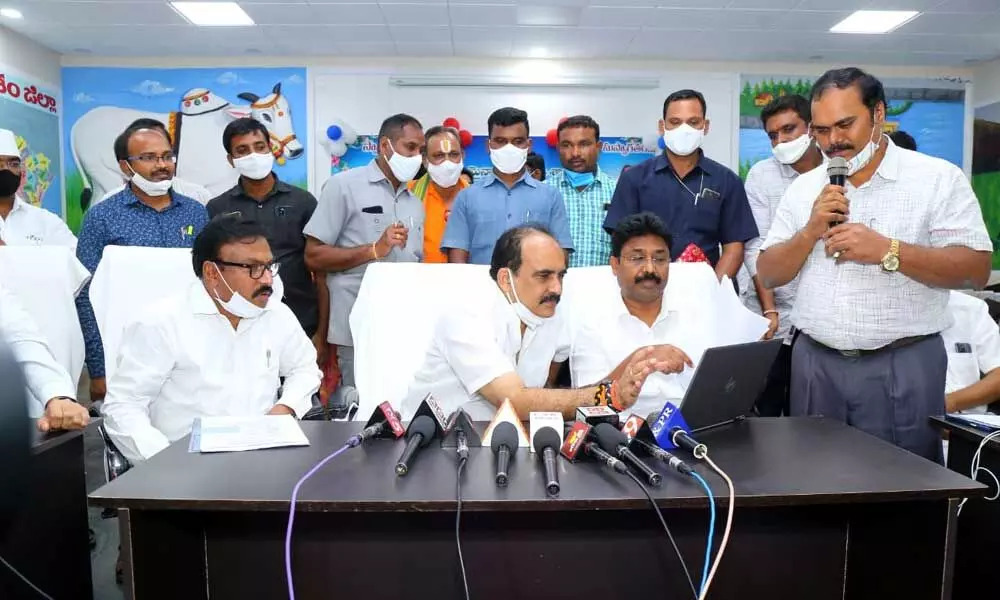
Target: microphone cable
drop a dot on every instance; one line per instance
(975, 468)
(291, 511)
(458, 522)
(663, 522)
(729, 523)
(24, 579)
(711, 528)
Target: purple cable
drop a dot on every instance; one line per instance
(291, 514)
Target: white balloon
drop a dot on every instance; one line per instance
(651, 142)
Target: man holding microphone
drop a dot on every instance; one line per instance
(874, 260)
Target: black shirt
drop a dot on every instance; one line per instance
(283, 214)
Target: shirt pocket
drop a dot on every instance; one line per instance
(375, 221)
(706, 216)
(963, 369)
(266, 376)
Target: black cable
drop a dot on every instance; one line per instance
(25, 579)
(670, 536)
(458, 523)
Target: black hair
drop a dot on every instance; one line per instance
(685, 95)
(506, 117)
(872, 92)
(438, 130)
(392, 127)
(535, 161)
(580, 121)
(147, 123)
(466, 171)
(121, 142)
(243, 126)
(638, 225)
(903, 140)
(793, 102)
(223, 229)
(507, 251)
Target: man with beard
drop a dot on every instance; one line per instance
(875, 259)
(509, 346)
(218, 348)
(650, 316)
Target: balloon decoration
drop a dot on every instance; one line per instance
(651, 142)
(464, 135)
(337, 137)
(552, 138)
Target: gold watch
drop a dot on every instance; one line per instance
(890, 262)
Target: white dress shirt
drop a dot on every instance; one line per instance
(473, 344)
(46, 379)
(182, 360)
(184, 188)
(28, 225)
(972, 343)
(766, 184)
(912, 197)
(602, 339)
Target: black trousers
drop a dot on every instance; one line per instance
(774, 400)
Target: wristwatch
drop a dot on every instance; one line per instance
(890, 262)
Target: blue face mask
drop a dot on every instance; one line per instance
(578, 179)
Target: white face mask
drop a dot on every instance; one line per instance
(237, 304)
(862, 158)
(523, 313)
(789, 153)
(151, 188)
(445, 174)
(683, 140)
(510, 159)
(255, 166)
(403, 167)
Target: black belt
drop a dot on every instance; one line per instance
(896, 345)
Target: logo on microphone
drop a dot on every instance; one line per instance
(574, 440)
(391, 419)
(632, 426)
(661, 421)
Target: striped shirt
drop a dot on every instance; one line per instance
(586, 211)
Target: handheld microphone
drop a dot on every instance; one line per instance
(837, 171)
(419, 435)
(545, 442)
(662, 455)
(592, 449)
(463, 445)
(671, 431)
(637, 431)
(614, 442)
(504, 438)
(384, 422)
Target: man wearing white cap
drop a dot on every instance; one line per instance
(21, 223)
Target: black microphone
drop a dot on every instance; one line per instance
(837, 169)
(504, 438)
(383, 423)
(613, 441)
(419, 434)
(660, 454)
(463, 445)
(592, 449)
(545, 442)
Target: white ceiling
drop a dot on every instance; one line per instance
(949, 32)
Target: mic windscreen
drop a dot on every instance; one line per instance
(423, 425)
(609, 438)
(505, 434)
(837, 167)
(546, 437)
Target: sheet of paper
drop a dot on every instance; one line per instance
(736, 323)
(236, 434)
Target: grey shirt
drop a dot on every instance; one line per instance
(354, 209)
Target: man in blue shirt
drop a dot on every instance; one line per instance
(701, 201)
(508, 197)
(146, 213)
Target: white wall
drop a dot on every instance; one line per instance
(986, 84)
(29, 58)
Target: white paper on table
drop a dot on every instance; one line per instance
(236, 434)
(736, 323)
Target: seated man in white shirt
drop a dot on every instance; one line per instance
(510, 345)
(45, 377)
(21, 223)
(649, 313)
(973, 346)
(218, 348)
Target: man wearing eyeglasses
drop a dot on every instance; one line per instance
(147, 212)
(650, 314)
(21, 223)
(218, 348)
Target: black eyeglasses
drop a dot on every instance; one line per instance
(256, 271)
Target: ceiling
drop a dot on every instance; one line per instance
(949, 32)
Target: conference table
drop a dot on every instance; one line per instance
(823, 511)
(48, 541)
(979, 525)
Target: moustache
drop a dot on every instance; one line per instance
(649, 277)
(553, 298)
(839, 148)
(165, 173)
(263, 290)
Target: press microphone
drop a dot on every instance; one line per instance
(592, 449)
(545, 442)
(384, 422)
(836, 169)
(503, 440)
(614, 442)
(463, 445)
(662, 455)
(637, 431)
(419, 435)
(671, 431)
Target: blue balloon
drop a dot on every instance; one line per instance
(660, 143)
(334, 132)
